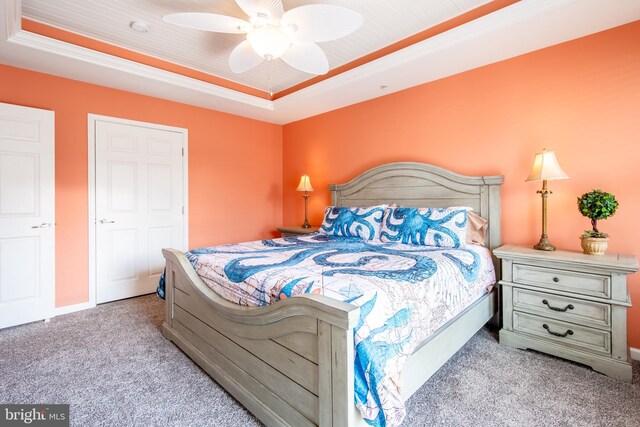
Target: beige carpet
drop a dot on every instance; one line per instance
(115, 369)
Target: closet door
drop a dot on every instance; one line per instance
(27, 215)
(139, 206)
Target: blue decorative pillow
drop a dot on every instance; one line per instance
(353, 222)
(446, 227)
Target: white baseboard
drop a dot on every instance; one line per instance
(73, 308)
(635, 353)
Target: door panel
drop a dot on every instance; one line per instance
(159, 192)
(16, 126)
(139, 203)
(123, 186)
(123, 250)
(18, 268)
(27, 235)
(19, 189)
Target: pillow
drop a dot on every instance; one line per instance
(353, 222)
(445, 227)
(476, 229)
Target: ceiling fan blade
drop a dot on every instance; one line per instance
(272, 8)
(307, 57)
(209, 22)
(243, 58)
(321, 22)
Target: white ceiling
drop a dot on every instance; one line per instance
(523, 27)
(385, 22)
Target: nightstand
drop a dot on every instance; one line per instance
(568, 304)
(296, 230)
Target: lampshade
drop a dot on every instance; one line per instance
(268, 41)
(546, 167)
(305, 184)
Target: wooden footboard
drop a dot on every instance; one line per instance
(290, 364)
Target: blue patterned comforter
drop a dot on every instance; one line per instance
(405, 293)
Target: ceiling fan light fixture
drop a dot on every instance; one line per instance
(268, 41)
(273, 33)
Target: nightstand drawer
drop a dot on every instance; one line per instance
(566, 334)
(588, 313)
(568, 281)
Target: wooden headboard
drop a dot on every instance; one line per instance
(411, 184)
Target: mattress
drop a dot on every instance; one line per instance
(405, 293)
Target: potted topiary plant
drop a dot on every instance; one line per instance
(596, 205)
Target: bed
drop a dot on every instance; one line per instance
(291, 363)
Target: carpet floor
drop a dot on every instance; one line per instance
(115, 369)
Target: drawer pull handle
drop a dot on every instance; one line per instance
(569, 331)
(569, 307)
(555, 279)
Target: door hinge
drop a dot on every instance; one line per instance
(183, 152)
(183, 210)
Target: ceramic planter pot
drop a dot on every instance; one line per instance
(594, 245)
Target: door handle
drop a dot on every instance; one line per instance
(43, 225)
(106, 221)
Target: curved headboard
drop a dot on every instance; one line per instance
(413, 184)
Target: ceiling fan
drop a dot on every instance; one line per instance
(273, 33)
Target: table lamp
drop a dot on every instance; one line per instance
(305, 185)
(545, 168)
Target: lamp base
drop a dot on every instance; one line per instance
(544, 244)
(306, 221)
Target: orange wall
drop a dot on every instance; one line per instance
(235, 167)
(580, 98)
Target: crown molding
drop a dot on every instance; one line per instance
(56, 47)
(20, 48)
(15, 34)
(12, 17)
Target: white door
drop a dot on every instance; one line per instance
(139, 206)
(27, 234)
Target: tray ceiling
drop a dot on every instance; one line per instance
(494, 31)
(385, 22)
